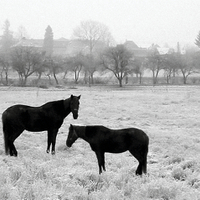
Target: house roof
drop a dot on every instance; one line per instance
(130, 45)
(29, 43)
(137, 51)
(163, 51)
(62, 42)
(70, 47)
(82, 46)
(77, 46)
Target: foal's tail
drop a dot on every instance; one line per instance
(144, 164)
(6, 146)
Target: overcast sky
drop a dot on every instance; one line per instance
(142, 21)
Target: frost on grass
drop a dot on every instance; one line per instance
(169, 117)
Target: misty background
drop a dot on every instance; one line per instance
(144, 22)
(92, 42)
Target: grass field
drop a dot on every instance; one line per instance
(169, 115)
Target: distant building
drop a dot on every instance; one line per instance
(160, 50)
(38, 43)
(62, 46)
(137, 51)
(77, 46)
(59, 47)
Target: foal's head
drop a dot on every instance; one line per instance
(74, 105)
(72, 136)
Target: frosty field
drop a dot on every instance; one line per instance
(169, 115)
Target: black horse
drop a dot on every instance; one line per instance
(102, 139)
(48, 117)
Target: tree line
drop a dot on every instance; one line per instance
(118, 59)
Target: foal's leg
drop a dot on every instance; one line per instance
(138, 154)
(11, 139)
(101, 161)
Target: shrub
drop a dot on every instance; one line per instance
(175, 159)
(192, 165)
(161, 189)
(179, 174)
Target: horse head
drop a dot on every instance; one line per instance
(74, 105)
(72, 136)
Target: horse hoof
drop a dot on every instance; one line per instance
(47, 151)
(53, 152)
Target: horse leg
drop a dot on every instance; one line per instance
(13, 151)
(141, 156)
(54, 134)
(51, 140)
(11, 139)
(11, 132)
(101, 161)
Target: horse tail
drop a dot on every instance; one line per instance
(5, 133)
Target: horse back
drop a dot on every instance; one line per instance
(115, 141)
(31, 118)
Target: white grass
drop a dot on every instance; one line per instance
(169, 115)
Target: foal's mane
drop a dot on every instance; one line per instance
(92, 131)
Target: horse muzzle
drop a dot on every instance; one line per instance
(75, 115)
(68, 144)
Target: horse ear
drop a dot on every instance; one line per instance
(71, 126)
(72, 96)
(79, 96)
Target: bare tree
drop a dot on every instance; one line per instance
(7, 41)
(98, 37)
(76, 64)
(4, 66)
(170, 66)
(26, 61)
(186, 64)
(93, 32)
(92, 64)
(154, 63)
(22, 33)
(137, 67)
(117, 59)
(53, 65)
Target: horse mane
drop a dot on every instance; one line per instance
(66, 103)
(92, 131)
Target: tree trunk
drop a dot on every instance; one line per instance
(92, 78)
(39, 77)
(184, 79)
(6, 73)
(174, 76)
(54, 75)
(154, 79)
(120, 82)
(140, 78)
(65, 75)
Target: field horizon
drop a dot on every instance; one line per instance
(168, 114)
